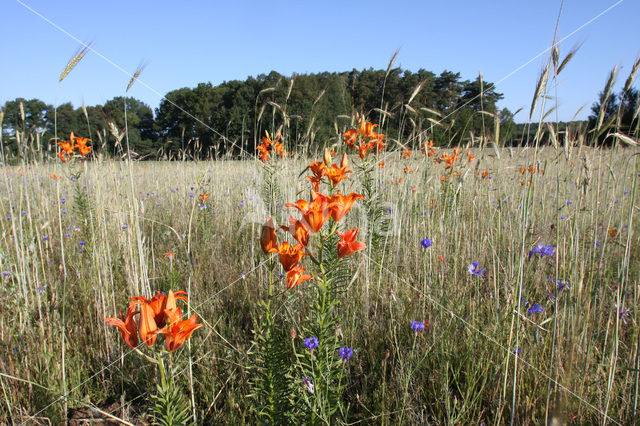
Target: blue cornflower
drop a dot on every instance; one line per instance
(6, 273)
(123, 227)
(345, 352)
(81, 243)
(475, 270)
(624, 314)
(46, 237)
(569, 203)
(417, 326)
(535, 309)
(311, 343)
(308, 384)
(543, 250)
(426, 242)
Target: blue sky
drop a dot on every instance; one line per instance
(185, 43)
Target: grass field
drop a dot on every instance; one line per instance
(545, 332)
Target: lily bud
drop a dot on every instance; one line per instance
(344, 163)
(268, 239)
(327, 156)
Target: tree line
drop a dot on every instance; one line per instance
(310, 111)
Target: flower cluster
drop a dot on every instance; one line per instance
(314, 215)
(160, 315)
(428, 149)
(334, 172)
(530, 169)
(75, 143)
(364, 138)
(268, 145)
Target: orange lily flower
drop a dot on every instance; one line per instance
(159, 303)
(381, 165)
(170, 254)
(366, 129)
(279, 149)
(81, 145)
(290, 255)
(362, 149)
(66, 147)
(178, 330)
(298, 230)
(340, 204)
(127, 326)
(147, 326)
(203, 197)
(268, 238)
(336, 174)
(348, 244)
(406, 153)
(471, 156)
(318, 168)
(350, 137)
(62, 157)
(295, 277)
(264, 153)
(315, 213)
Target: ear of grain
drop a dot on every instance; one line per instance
(542, 83)
(567, 58)
(626, 139)
(74, 61)
(291, 81)
(606, 95)
(135, 76)
(546, 114)
(431, 111)
(319, 96)
(391, 62)
(632, 75)
(555, 57)
(416, 91)
(21, 107)
(266, 90)
(578, 112)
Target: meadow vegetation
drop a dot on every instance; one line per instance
(489, 284)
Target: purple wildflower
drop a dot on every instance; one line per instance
(311, 343)
(426, 243)
(345, 352)
(417, 326)
(308, 384)
(475, 270)
(625, 315)
(543, 250)
(535, 309)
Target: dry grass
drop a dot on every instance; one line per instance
(578, 357)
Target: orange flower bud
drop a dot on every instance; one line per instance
(268, 239)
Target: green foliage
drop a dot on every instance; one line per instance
(169, 406)
(271, 383)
